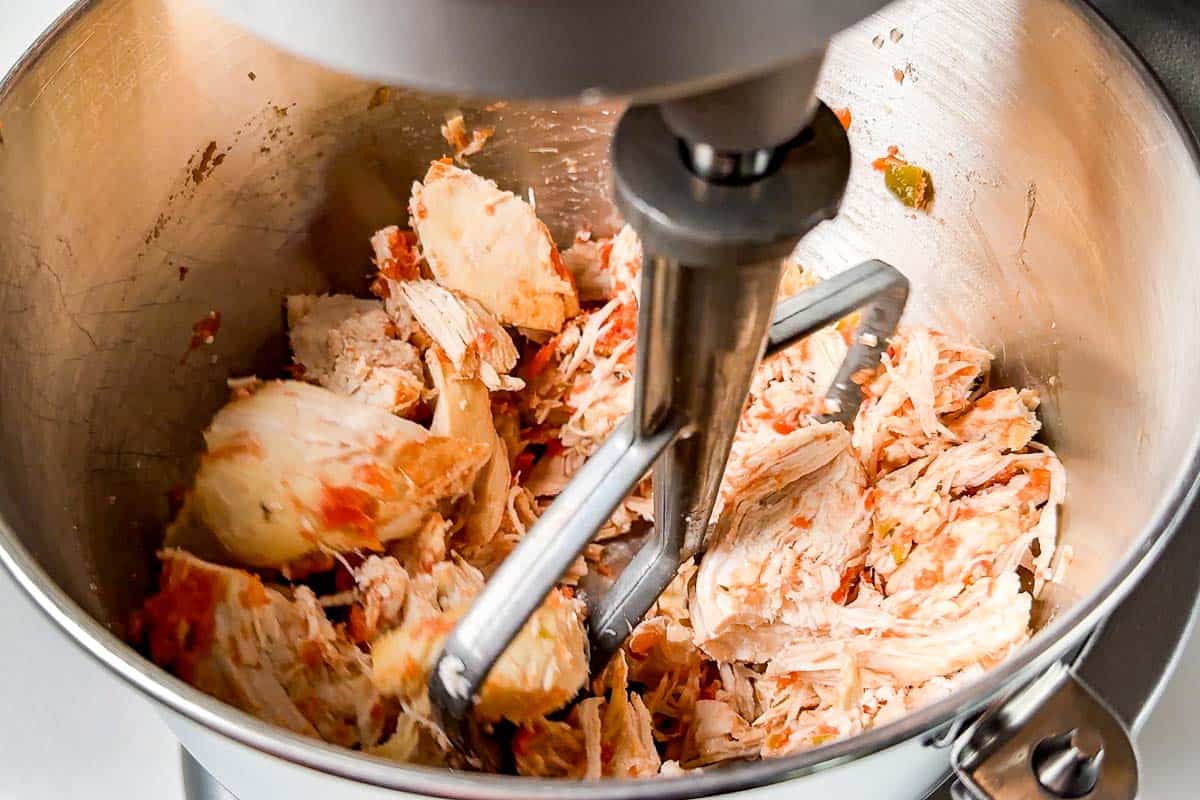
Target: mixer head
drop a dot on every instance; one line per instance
(725, 160)
(551, 49)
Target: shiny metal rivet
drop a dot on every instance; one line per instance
(1068, 764)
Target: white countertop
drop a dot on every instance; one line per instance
(72, 730)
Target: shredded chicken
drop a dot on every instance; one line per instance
(253, 646)
(851, 574)
(614, 734)
(418, 740)
(380, 591)
(398, 257)
(454, 131)
(586, 260)
(504, 259)
(701, 712)
(354, 348)
(783, 547)
(925, 377)
(468, 335)
(875, 577)
(539, 673)
(582, 382)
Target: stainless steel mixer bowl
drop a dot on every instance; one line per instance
(157, 164)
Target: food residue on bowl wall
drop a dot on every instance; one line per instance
(911, 184)
(379, 97)
(210, 159)
(454, 131)
(204, 330)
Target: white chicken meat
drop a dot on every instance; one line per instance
(469, 336)
(277, 657)
(354, 348)
(489, 244)
(293, 468)
(540, 672)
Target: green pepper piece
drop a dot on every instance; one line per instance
(910, 183)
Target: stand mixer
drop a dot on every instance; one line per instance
(724, 163)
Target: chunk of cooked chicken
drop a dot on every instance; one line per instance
(469, 336)
(541, 671)
(625, 262)
(795, 279)
(700, 711)
(1005, 418)
(604, 268)
(417, 740)
(397, 254)
(545, 748)
(354, 348)
(606, 736)
(815, 688)
(293, 468)
(270, 654)
(719, 733)
(583, 379)
(970, 511)
(619, 736)
(586, 260)
(925, 377)
(464, 410)
(792, 533)
(380, 591)
(454, 131)
(489, 245)
(427, 546)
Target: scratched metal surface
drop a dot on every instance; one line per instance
(147, 180)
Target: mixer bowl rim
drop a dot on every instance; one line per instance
(1050, 643)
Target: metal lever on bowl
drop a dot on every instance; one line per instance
(1054, 738)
